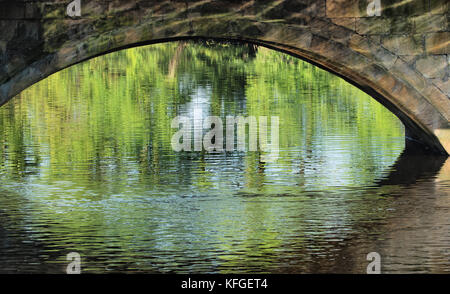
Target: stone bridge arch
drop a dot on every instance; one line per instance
(401, 58)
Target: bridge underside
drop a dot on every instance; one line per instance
(48, 41)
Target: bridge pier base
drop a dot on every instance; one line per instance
(444, 137)
(416, 145)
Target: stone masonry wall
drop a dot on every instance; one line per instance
(418, 31)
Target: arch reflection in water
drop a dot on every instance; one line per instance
(87, 166)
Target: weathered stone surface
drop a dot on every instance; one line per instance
(347, 22)
(407, 73)
(444, 137)
(8, 29)
(53, 10)
(32, 10)
(439, 6)
(410, 59)
(360, 44)
(404, 44)
(384, 56)
(397, 57)
(344, 8)
(401, 25)
(376, 39)
(438, 43)
(405, 8)
(433, 66)
(430, 23)
(372, 25)
(444, 85)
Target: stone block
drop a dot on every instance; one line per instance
(439, 6)
(53, 10)
(284, 9)
(373, 72)
(369, 48)
(408, 74)
(8, 29)
(432, 66)
(340, 34)
(383, 56)
(404, 8)
(360, 44)
(29, 30)
(430, 23)
(409, 59)
(32, 10)
(401, 25)
(444, 137)
(346, 22)
(320, 27)
(345, 8)
(376, 39)
(372, 25)
(404, 44)
(443, 85)
(438, 43)
(316, 8)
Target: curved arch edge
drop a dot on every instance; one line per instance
(417, 134)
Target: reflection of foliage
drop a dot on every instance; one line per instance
(118, 107)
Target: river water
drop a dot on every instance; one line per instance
(87, 166)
